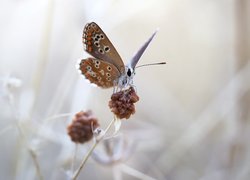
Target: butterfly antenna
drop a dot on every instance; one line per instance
(151, 64)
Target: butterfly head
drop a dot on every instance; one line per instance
(130, 72)
(126, 79)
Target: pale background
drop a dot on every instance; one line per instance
(192, 120)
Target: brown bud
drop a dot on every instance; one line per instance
(80, 129)
(122, 103)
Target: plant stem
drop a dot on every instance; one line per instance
(76, 174)
(84, 161)
(31, 151)
(74, 158)
(34, 157)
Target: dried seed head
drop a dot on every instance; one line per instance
(122, 103)
(80, 130)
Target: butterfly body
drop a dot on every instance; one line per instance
(106, 69)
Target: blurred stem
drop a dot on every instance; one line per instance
(23, 138)
(117, 174)
(76, 174)
(44, 52)
(34, 157)
(237, 149)
(135, 173)
(6, 129)
(56, 117)
(84, 160)
(74, 158)
(31, 151)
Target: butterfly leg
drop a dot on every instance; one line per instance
(134, 86)
(131, 84)
(114, 89)
(115, 86)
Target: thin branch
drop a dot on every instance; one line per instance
(56, 117)
(6, 129)
(135, 173)
(34, 157)
(74, 158)
(76, 174)
(32, 153)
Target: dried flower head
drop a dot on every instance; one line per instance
(82, 126)
(122, 103)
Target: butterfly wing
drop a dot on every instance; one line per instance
(139, 53)
(98, 45)
(99, 72)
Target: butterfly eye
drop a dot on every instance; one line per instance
(129, 73)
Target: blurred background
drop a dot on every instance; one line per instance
(192, 120)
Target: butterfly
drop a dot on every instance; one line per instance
(106, 68)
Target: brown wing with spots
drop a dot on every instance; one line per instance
(98, 45)
(99, 72)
